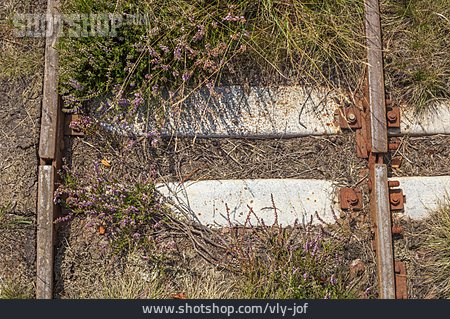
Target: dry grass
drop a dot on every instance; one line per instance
(15, 288)
(308, 157)
(436, 250)
(209, 283)
(417, 58)
(424, 247)
(135, 281)
(138, 282)
(86, 268)
(16, 255)
(424, 156)
(21, 57)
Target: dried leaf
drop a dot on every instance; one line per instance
(106, 163)
(180, 295)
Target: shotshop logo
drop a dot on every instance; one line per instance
(74, 25)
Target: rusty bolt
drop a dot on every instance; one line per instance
(395, 200)
(392, 117)
(397, 230)
(394, 145)
(394, 184)
(75, 128)
(352, 198)
(351, 118)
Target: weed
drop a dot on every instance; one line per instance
(437, 252)
(14, 289)
(21, 57)
(417, 44)
(191, 44)
(8, 219)
(288, 263)
(186, 45)
(122, 212)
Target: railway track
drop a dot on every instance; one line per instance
(375, 122)
(373, 143)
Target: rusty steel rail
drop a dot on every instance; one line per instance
(50, 151)
(375, 79)
(371, 118)
(381, 217)
(376, 146)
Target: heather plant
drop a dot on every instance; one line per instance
(281, 268)
(186, 45)
(288, 262)
(153, 67)
(126, 213)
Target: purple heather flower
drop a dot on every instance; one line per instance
(138, 100)
(306, 246)
(164, 48)
(123, 102)
(186, 76)
(177, 53)
(333, 280)
(152, 52)
(155, 61)
(76, 85)
(200, 33)
(316, 246)
(233, 18)
(91, 223)
(136, 236)
(86, 204)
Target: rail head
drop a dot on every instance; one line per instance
(375, 76)
(380, 206)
